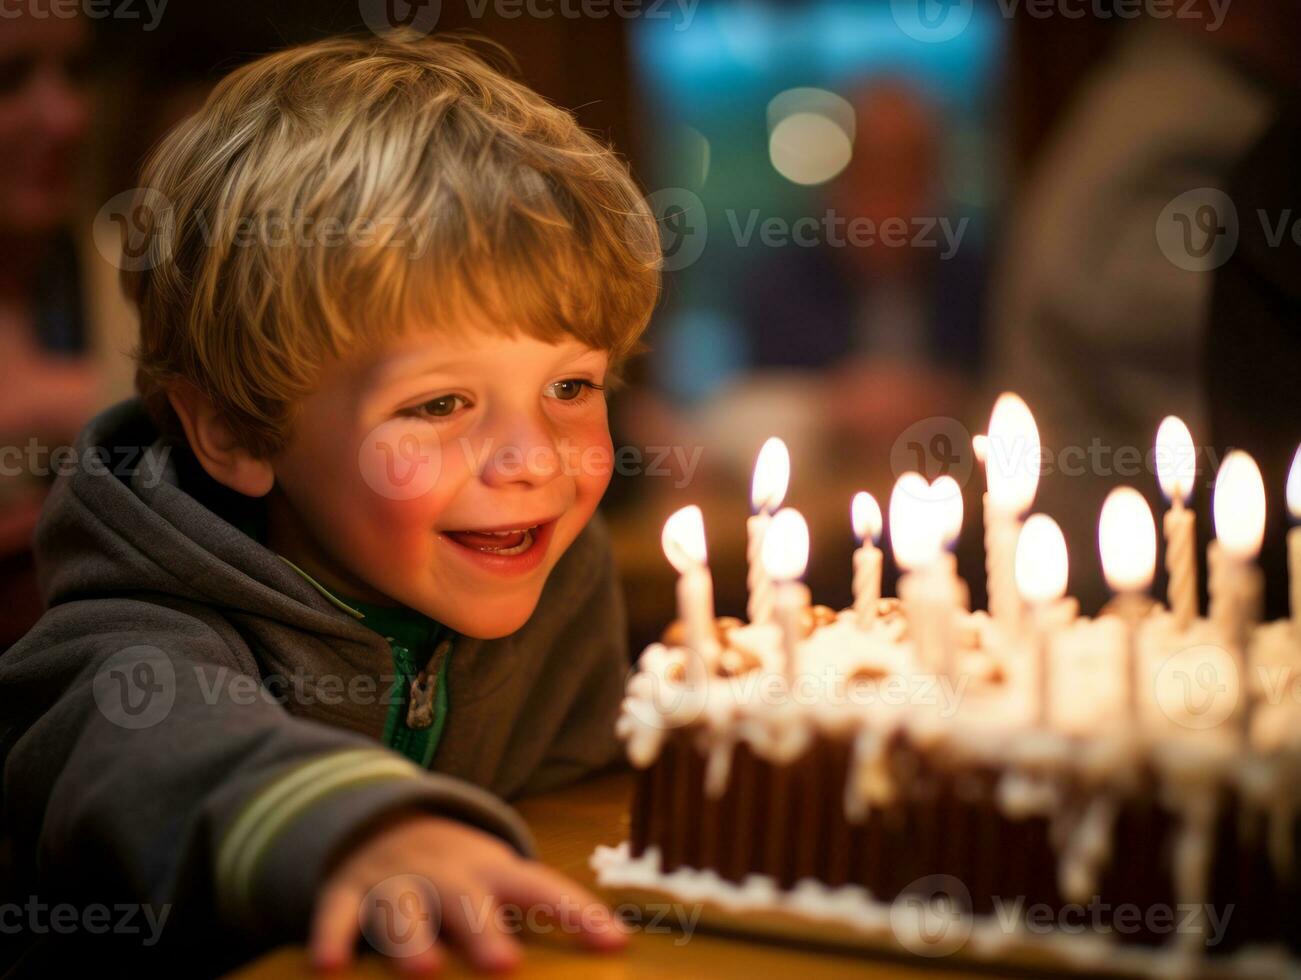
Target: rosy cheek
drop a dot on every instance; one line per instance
(408, 479)
(594, 463)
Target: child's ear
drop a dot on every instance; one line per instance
(215, 445)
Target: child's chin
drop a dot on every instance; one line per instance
(491, 623)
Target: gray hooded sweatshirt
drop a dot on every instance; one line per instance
(194, 726)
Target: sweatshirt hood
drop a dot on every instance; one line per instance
(136, 514)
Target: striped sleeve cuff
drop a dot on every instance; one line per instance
(266, 877)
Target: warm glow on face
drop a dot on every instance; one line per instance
(1176, 459)
(786, 546)
(947, 496)
(1041, 564)
(772, 474)
(915, 532)
(1239, 505)
(1127, 540)
(683, 539)
(1012, 455)
(1294, 487)
(866, 515)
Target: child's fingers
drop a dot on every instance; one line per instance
(400, 920)
(470, 917)
(334, 927)
(535, 885)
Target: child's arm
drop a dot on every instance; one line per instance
(141, 765)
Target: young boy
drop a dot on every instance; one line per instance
(332, 587)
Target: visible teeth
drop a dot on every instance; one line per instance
(519, 549)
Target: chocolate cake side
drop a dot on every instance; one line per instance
(787, 822)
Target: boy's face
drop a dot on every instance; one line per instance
(446, 474)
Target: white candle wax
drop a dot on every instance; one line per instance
(867, 581)
(791, 599)
(760, 605)
(696, 609)
(1181, 563)
(1042, 618)
(929, 601)
(1129, 606)
(1294, 574)
(1002, 529)
(1236, 590)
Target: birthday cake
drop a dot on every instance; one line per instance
(1115, 794)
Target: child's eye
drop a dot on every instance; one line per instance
(572, 389)
(442, 406)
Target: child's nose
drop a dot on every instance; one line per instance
(524, 453)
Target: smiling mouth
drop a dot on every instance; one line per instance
(505, 543)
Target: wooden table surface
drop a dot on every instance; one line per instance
(568, 825)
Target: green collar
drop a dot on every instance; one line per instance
(400, 625)
(397, 624)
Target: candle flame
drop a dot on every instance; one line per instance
(772, 475)
(1239, 505)
(1294, 487)
(1041, 562)
(1127, 540)
(683, 539)
(1176, 459)
(865, 514)
(916, 531)
(1012, 454)
(786, 546)
(948, 496)
(980, 447)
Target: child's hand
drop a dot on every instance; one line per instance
(420, 877)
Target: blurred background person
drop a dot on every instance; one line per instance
(1094, 322)
(62, 355)
(890, 317)
(1253, 347)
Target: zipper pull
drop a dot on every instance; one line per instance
(420, 707)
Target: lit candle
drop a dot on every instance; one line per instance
(926, 588)
(785, 557)
(947, 495)
(1294, 538)
(1235, 582)
(1127, 540)
(1041, 571)
(684, 545)
(1011, 451)
(866, 516)
(772, 473)
(1176, 469)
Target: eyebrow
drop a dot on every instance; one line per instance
(411, 366)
